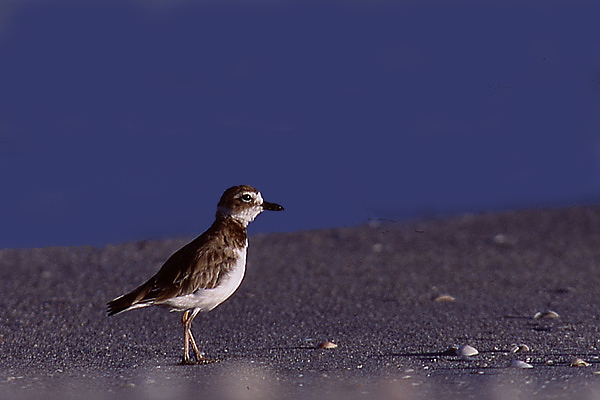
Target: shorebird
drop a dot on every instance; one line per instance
(205, 272)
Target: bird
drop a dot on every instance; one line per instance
(206, 271)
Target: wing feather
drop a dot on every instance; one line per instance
(198, 265)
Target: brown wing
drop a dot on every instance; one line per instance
(198, 265)
(189, 270)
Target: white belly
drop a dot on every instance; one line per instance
(207, 299)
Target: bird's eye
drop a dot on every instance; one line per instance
(247, 198)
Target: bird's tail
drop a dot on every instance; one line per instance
(128, 301)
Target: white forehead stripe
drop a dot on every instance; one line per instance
(246, 211)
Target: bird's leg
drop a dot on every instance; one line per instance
(200, 359)
(186, 338)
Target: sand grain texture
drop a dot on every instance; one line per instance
(370, 289)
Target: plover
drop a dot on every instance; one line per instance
(205, 272)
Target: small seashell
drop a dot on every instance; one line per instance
(444, 298)
(578, 362)
(503, 240)
(466, 351)
(519, 348)
(327, 345)
(377, 247)
(520, 364)
(546, 314)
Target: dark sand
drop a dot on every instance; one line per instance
(370, 289)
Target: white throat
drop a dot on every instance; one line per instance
(245, 215)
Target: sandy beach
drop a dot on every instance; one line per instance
(521, 287)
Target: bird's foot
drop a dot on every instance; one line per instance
(203, 360)
(187, 361)
(198, 361)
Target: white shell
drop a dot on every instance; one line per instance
(519, 348)
(444, 298)
(466, 351)
(328, 345)
(578, 362)
(520, 364)
(546, 314)
(503, 240)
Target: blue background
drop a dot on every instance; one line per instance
(127, 120)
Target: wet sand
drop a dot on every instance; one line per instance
(394, 297)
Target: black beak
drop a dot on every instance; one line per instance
(271, 206)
